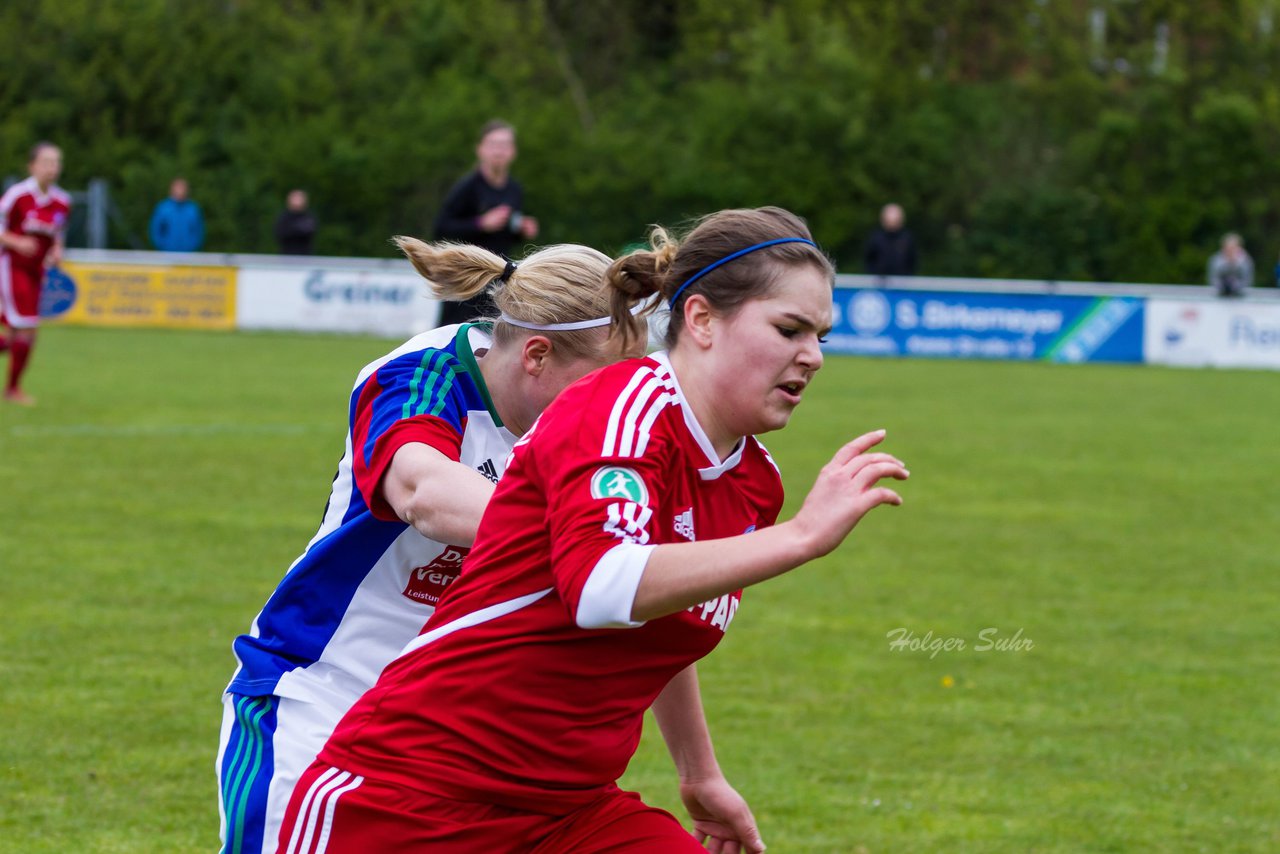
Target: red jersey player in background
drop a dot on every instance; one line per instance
(33, 220)
(610, 559)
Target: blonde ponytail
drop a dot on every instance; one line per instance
(558, 284)
(455, 271)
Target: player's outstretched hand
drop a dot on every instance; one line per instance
(845, 491)
(722, 821)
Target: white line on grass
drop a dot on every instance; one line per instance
(110, 431)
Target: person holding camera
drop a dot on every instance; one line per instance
(485, 207)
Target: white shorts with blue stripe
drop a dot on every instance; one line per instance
(265, 746)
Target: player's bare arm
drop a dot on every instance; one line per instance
(21, 243)
(719, 813)
(441, 498)
(680, 575)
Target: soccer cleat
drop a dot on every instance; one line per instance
(20, 397)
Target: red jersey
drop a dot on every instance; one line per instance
(24, 209)
(529, 684)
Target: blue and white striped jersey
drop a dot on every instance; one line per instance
(367, 581)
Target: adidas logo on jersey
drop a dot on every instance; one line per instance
(488, 469)
(684, 524)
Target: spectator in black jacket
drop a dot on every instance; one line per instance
(486, 207)
(296, 225)
(891, 250)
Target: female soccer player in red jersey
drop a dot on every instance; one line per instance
(610, 559)
(431, 425)
(33, 224)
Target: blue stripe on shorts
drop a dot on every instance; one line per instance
(247, 766)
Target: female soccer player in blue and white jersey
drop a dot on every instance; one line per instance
(430, 427)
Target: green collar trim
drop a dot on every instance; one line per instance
(462, 342)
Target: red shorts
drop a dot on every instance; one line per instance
(19, 294)
(336, 812)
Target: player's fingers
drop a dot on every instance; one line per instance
(862, 460)
(882, 495)
(868, 475)
(746, 833)
(859, 445)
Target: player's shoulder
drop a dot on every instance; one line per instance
(430, 353)
(629, 384)
(17, 191)
(60, 195)
(617, 408)
(443, 339)
(758, 476)
(757, 456)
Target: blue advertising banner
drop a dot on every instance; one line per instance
(873, 322)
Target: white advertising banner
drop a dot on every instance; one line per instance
(380, 302)
(1219, 333)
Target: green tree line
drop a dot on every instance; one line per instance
(1071, 139)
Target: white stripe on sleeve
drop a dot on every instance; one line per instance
(646, 426)
(615, 417)
(633, 416)
(610, 591)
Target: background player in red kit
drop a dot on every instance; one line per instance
(610, 559)
(33, 219)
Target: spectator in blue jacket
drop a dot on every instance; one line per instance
(177, 224)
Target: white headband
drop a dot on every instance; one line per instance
(569, 326)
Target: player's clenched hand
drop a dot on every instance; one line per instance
(722, 821)
(845, 491)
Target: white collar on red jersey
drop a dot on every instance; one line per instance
(32, 186)
(718, 466)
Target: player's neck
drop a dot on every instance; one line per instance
(698, 398)
(501, 381)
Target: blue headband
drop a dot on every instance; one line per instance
(728, 258)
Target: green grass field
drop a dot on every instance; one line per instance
(1124, 520)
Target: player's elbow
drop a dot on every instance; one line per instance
(609, 594)
(426, 511)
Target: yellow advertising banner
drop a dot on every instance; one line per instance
(145, 295)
